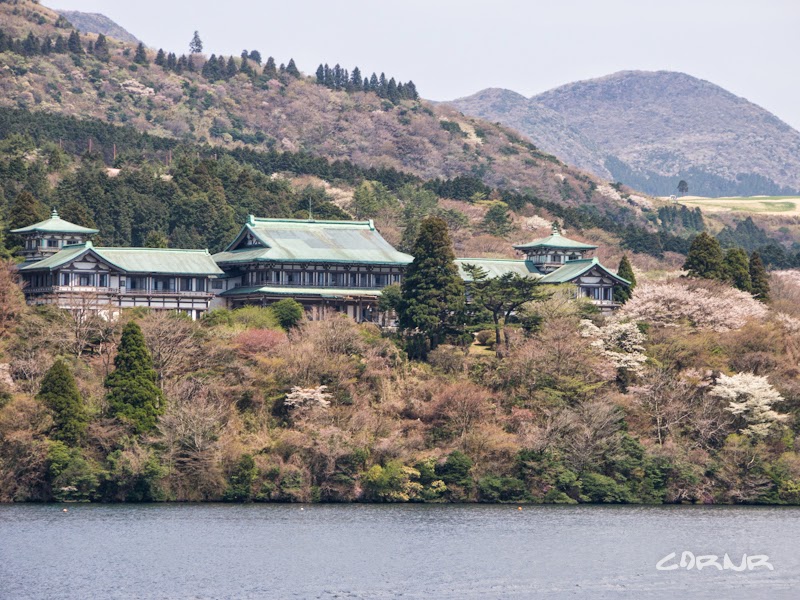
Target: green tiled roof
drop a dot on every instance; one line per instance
(576, 268)
(292, 240)
(555, 240)
(165, 261)
(55, 224)
(301, 292)
(496, 267)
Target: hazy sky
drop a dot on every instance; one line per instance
(453, 48)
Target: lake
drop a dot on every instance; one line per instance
(392, 551)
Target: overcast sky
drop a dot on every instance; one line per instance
(453, 48)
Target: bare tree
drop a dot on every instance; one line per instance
(12, 300)
(171, 341)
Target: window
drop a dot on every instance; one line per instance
(186, 284)
(217, 284)
(52, 243)
(65, 279)
(103, 280)
(164, 284)
(85, 280)
(381, 280)
(201, 285)
(137, 283)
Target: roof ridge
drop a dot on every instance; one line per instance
(197, 250)
(256, 220)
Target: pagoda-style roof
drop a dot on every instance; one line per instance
(166, 261)
(569, 271)
(55, 224)
(497, 267)
(308, 241)
(555, 240)
(575, 268)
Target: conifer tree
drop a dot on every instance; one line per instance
(140, 58)
(101, 51)
(25, 210)
(270, 71)
(433, 292)
(496, 221)
(355, 78)
(391, 91)
(705, 258)
(60, 394)
(60, 46)
(133, 395)
(759, 279)
(737, 269)
(196, 45)
(172, 61)
(161, 58)
(255, 56)
(31, 46)
(74, 43)
(623, 293)
(320, 74)
(230, 68)
(292, 69)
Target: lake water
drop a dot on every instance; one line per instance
(391, 551)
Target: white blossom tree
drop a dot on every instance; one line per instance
(750, 397)
(620, 342)
(704, 304)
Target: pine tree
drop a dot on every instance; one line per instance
(60, 47)
(133, 395)
(737, 269)
(31, 46)
(320, 74)
(255, 56)
(60, 394)
(433, 292)
(391, 91)
(623, 293)
(355, 78)
(270, 71)
(101, 51)
(161, 58)
(705, 258)
(496, 221)
(74, 43)
(759, 278)
(196, 45)
(25, 210)
(230, 68)
(140, 58)
(292, 69)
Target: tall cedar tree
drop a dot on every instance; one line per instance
(292, 69)
(101, 51)
(161, 58)
(433, 292)
(737, 269)
(60, 394)
(25, 210)
(705, 258)
(623, 293)
(133, 395)
(140, 58)
(196, 45)
(74, 43)
(759, 279)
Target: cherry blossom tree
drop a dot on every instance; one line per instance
(751, 397)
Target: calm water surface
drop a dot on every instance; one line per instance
(400, 551)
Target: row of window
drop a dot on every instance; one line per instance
(48, 243)
(554, 258)
(145, 284)
(321, 279)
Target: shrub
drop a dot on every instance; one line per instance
(447, 359)
(259, 341)
(288, 312)
(599, 488)
(240, 482)
(502, 489)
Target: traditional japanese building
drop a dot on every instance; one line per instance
(80, 276)
(47, 237)
(327, 266)
(556, 259)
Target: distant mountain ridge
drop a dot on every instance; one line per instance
(652, 129)
(97, 23)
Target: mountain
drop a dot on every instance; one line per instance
(248, 106)
(652, 129)
(97, 23)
